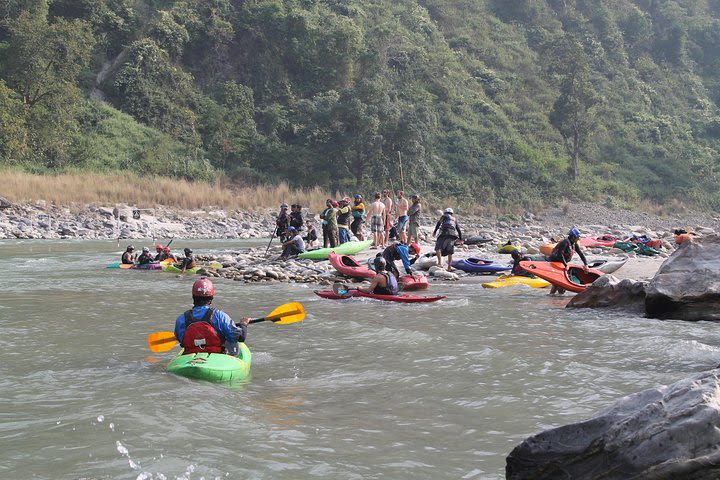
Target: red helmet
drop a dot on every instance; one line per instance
(203, 288)
(416, 248)
(159, 247)
(166, 249)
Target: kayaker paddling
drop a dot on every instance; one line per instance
(207, 329)
(564, 251)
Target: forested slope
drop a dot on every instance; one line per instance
(499, 102)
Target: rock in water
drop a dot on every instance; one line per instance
(687, 285)
(670, 432)
(608, 291)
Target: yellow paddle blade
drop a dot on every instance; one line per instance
(126, 265)
(161, 341)
(287, 313)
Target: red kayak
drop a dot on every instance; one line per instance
(413, 282)
(404, 298)
(347, 265)
(572, 278)
(606, 241)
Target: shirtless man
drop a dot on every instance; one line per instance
(376, 212)
(387, 201)
(402, 206)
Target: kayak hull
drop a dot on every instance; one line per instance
(347, 265)
(347, 248)
(404, 298)
(477, 265)
(557, 274)
(514, 280)
(411, 283)
(508, 248)
(174, 269)
(213, 367)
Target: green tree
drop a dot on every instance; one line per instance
(13, 131)
(572, 113)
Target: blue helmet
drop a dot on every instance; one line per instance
(291, 229)
(574, 232)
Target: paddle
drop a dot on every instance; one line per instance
(284, 314)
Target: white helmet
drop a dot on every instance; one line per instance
(449, 210)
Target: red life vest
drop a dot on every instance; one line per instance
(200, 336)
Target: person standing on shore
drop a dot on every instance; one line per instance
(414, 219)
(387, 201)
(329, 224)
(343, 220)
(282, 222)
(449, 234)
(128, 257)
(401, 207)
(358, 213)
(377, 222)
(296, 218)
(564, 251)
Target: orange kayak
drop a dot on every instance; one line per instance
(572, 278)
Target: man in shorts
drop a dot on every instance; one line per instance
(401, 207)
(377, 221)
(414, 219)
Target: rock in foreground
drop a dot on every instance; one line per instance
(670, 432)
(687, 285)
(608, 291)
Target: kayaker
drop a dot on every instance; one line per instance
(564, 251)
(387, 201)
(145, 257)
(376, 211)
(384, 282)
(282, 222)
(168, 255)
(329, 224)
(401, 207)
(294, 245)
(158, 252)
(400, 251)
(414, 219)
(358, 213)
(312, 236)
(188, 261)
(343, 220)
(128, 257)
(296, 218)
(206, 329)
(449, 234)
(517, 269)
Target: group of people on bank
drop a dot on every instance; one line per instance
(162, 254)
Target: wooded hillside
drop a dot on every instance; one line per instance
(501, 102)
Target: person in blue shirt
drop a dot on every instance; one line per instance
(206, 329)
(400, 251)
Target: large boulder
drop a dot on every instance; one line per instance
(687, 285)
(5, 203)
(608, 291)
(670, 432)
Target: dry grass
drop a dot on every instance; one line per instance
(148, 192)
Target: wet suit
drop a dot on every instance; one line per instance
(564, 250)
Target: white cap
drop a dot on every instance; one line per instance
(449, 210)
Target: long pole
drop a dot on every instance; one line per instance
(402, 180)
(272, 236)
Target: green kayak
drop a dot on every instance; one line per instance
(347, 248)
(214, 367)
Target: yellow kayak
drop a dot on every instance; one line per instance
(510, 280)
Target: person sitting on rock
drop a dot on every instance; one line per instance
(188, 262)
(145, 257)
(384, 282)
(128, 257)
(294, 245)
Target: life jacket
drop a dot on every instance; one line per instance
(391, 288)
(448, 227)
(200, 335)
(561, 251)
(344, 217)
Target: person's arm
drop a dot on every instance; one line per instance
(437, 226)
(228, 329)
(180, 328)
(372, 286)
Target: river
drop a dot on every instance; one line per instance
(359, 390)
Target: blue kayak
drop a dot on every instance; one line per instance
(478, 265)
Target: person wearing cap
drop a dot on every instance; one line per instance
(145, 257)
(564, 251)
(343, 220)
(402, 252)
(128, 257)
(207, 329)
(449, 234)
(414, 219)
(282, 222)
(384, 282)
(187, 262)
(329, 224)
(401, 212)
(358, 213)
(377, 221)
(296, 218)
(294, 245)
